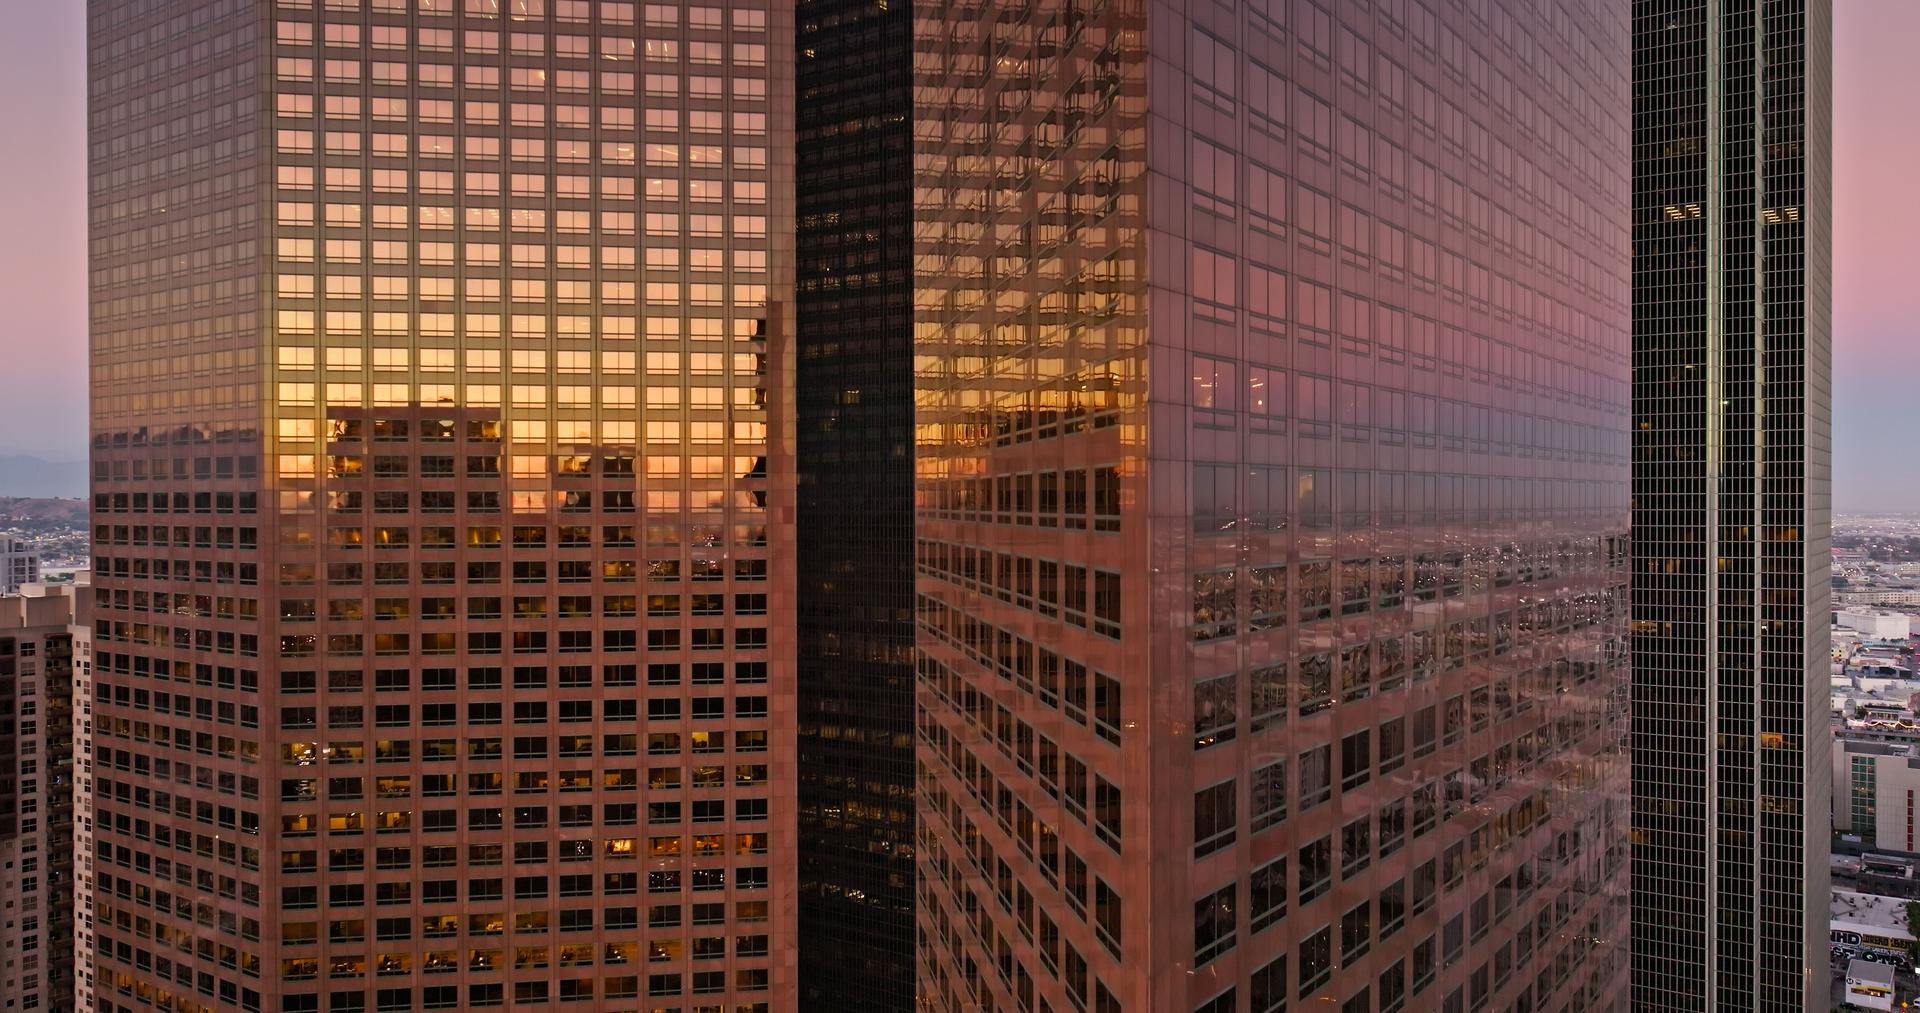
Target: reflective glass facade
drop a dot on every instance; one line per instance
(854, 526)
(1731, 467)
(1272, 384)
(443, 504)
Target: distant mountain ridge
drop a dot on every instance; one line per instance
(25, 475)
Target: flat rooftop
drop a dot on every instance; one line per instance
(1870, 972)
(1874, 747)
(1870, 912)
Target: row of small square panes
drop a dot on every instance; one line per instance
(661, 365)
(664, 331)
(530, 224)
(536, 78)
(615, 113)
(481, 247)
(484, 431)
(526, 12)
(538, 237)
(523, 38)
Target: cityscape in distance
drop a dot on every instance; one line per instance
(737, 506)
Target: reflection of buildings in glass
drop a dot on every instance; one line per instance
(1270, 519)
(853, 441)
(1731, 464)
(443, 490)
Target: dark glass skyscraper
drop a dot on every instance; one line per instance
(1732, 193)
(855, 531)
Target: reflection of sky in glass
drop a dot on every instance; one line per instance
(1238, 452)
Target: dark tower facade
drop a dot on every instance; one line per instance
(855, 612)
(1731, 448)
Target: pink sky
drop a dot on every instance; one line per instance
(1876, 299)
(1876, 311)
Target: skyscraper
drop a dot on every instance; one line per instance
(1732, 191)
(37, 798)
(443, 492)
(854, 525)
(1271, 504)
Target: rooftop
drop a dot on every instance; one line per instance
(1876, 748)
(1870, 912)
(1870, 972)
(38, 605)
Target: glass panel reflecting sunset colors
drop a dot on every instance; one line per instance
(443, 503)
(1272, 500)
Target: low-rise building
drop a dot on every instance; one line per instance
(1881, 596)
(1870, 925)
(1875, 623)
(1876, 789)
(1869, 984)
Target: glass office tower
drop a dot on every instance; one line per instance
(853, 437)
(443, 503)
(1272, 489)
(1732, 194)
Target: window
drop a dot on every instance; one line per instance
(1106, 812)
(1215, 389)
(1268, 991)
(1214, 284)
(1213, 711)
(1356, 759)
(1393, 987)
(1267, 894)
(1268, 788)
(1214, 173)
(1316, 777)
(1393, 826)
(1425, 882)
(1215, 818)
(1107, 916)
(1267, 686)
(1316, 961)
(1214, 63)
(1423, 965)
(1313, 124)
(1214, 924)
(1316, 869)
(1393, 908)
(1222, 1003)
(1106, 603)
(1267, 199)
(1393, 744)
(1356, 932)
